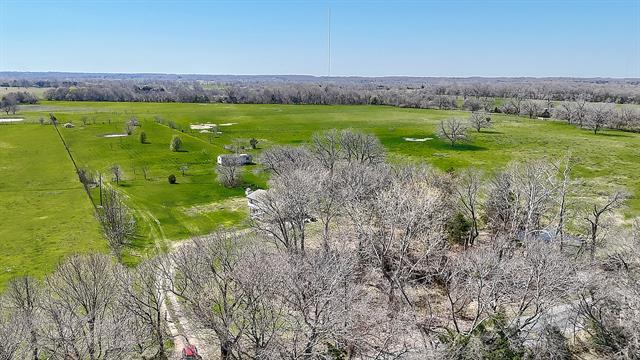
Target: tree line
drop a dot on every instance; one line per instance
(351, 257)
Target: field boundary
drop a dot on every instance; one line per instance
(75, 166)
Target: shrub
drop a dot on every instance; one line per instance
(143, 137)
(458, 229)
(172, 179)
(176, 143)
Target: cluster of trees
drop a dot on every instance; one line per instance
(408, 91)
(9, 102)
(598, 116)
(351, 257)
(377, 91)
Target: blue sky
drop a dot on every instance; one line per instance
(369, 38)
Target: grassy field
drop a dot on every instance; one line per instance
(44, 211)
(198, 204)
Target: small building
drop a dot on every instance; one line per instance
(67, 125)
(234, 159)
(254, 201)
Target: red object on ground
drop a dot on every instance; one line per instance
(190, 352)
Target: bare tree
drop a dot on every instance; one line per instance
(143, 295)
(320, 290)
(118, 223)
(326, 147)
(453, 130)
(519, 197)
(360, 147)
(116, 171)
(595, 220)
(84, 318)
(598, 116)
(204, 279)
(480, 120)
(285, 209)
(229, 174)
(9, 103)
(531, 108)
(400, 229)
(11, 333)
(282, 159)
(468, 190)
(24, 296)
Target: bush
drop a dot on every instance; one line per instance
(143, 137)
(172, 179)
(458, 229)
(176, 143)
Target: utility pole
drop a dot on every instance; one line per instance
(100, 186)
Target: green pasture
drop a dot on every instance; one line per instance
(45, 213)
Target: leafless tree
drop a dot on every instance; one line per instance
(229, 174)
(564, 168)
(117, 221)
(595, 220)
(480, 120)
(143, 294)
(205, 280)
(522, 284)
(598, 116)
(326, 147)
(513, 106)
(531, 108)
(467, 188)
(286, 209)
(400, 229)
(453, 130)
(315, 286)
(9, 103)
(116, 171)
(519, 197)
(360, 147)
(282, 159)
(11, 333)
(24, 296)
(84, 318)
(184, 168)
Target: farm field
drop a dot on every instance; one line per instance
(45, 213)
(198, 204)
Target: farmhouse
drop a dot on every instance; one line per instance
(254, 201)
(234, 159)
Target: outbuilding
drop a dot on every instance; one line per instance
(234, 159)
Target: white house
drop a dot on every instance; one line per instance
(234, 159)
(254, 201)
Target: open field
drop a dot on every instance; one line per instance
(45, 213)
(198, 204)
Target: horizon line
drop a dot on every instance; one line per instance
(324, 76)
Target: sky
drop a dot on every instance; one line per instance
(368, 38)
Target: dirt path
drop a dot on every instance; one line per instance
(182, 330)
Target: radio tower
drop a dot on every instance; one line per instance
(328, 41)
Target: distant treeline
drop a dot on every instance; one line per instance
(294, 89)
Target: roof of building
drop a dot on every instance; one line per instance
(255, 195)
